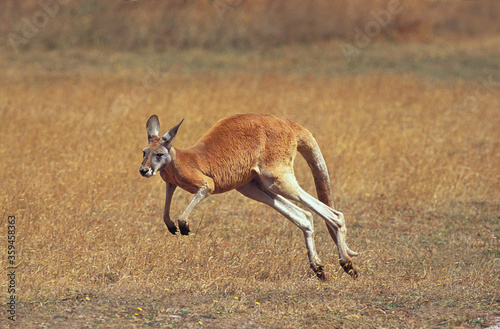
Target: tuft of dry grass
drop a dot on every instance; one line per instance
(414, 170)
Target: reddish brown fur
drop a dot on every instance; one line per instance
(222, 165)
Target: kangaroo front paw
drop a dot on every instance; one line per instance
(173, 230)
(184, 229)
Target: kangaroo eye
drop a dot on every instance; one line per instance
(159, 155)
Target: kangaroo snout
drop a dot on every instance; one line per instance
(146, 172)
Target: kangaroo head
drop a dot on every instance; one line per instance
(157, 154)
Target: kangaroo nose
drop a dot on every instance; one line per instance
(143, 171)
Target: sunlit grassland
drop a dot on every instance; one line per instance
(414, 168)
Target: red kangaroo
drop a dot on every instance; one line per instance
(253, 154)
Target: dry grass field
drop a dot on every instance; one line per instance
(413, 153)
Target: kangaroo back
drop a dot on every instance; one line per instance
(309, 149)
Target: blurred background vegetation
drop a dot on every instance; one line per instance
(152, 25)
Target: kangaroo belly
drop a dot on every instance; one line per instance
(227, 181)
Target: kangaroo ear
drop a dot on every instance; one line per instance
(153, 127)
(170, 135)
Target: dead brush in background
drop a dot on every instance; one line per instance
(216, 24)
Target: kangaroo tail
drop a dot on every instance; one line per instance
(309, 149)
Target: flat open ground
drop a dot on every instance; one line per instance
(410, 135)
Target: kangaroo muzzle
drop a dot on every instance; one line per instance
(146, 172)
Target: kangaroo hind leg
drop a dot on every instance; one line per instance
(296, 215)
(286, 185)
